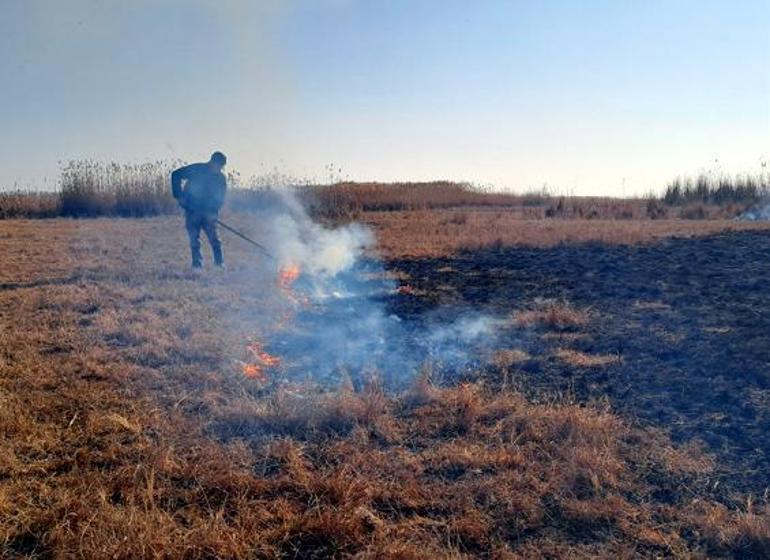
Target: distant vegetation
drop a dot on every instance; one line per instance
(706, 189)
(29, 204)
(349, 200)
(89, 188)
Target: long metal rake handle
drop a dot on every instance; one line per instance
(248, 239)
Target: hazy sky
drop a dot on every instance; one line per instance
(584, 96)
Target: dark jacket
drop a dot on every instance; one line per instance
(203, 190)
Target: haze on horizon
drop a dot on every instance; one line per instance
(597, 97)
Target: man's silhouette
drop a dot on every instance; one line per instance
(200, 189)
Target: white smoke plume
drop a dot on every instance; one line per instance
(339, 324)
(761, 212)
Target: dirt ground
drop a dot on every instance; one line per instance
(128, 428)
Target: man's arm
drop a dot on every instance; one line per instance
(176, 180)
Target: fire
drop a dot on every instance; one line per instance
(255, 348)
(286, 278)
(253, 371)
(263, 360)
(288, 275)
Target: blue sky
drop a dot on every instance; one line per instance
(594, 97)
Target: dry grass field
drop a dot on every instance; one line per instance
(627, 416)
(440, 232)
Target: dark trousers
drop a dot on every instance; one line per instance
(195, 222)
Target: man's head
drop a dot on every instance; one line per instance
(217, 161)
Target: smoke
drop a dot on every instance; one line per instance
(761, 212)
(322, 253)
(335, 321)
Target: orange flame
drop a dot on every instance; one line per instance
(257, 370)
(267, 359)
(262, 360)
(288, 275)
(253, 371)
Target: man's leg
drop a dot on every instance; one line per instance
(193, 225)
(210, 227)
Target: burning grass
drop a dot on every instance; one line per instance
(128, 430)
(261, 362)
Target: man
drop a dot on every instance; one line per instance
(201, 195)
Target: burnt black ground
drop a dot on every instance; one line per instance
(690, 318)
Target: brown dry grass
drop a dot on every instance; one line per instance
(441, 232)
(581, 359)
(556, 316)
(128, 431)
(745, 530)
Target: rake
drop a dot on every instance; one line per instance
(247, 239)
